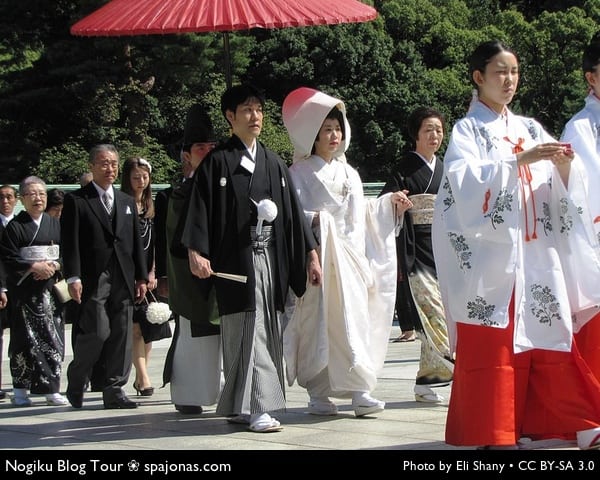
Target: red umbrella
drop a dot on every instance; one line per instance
(148, 17)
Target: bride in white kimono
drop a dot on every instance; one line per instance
(336, 340)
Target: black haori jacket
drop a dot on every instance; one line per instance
(221, 213)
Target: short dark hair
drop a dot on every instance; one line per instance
(416, 118)
(12, 187)
(239, 94)
(591, 54)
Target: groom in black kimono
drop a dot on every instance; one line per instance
(222, 235)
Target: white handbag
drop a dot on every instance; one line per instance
(157, 312)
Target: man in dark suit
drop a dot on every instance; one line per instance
(105, 267)
(3, 303)
(8, 202)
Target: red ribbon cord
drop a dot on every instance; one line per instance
(525, 176)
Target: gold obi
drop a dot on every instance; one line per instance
(422, 210)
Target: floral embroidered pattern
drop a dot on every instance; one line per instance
(480, 310)
(346, 188)
(21, 370)
(545, 219)
(532, 130)
(428, 300)
(449, 199)
(565, 218)
(485, 136)
(502, 203)
(462, 250)
(544, 305)
(40, 364)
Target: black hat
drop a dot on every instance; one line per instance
(198, 127)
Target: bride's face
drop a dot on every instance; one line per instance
(328, 139)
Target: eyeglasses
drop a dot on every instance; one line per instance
(35, 194)
(107, 165)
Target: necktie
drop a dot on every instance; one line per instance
(106, 201)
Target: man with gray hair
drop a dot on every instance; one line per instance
(106, 271)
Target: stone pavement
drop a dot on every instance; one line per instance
(156, 425)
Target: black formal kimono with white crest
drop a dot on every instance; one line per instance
(37, 334)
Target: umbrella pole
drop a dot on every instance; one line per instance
(227, 59)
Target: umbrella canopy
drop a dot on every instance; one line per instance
(151, 17)
(147, 17)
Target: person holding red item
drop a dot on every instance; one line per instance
(519, 264)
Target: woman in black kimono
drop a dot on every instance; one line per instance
(418, 299)
(31, 253)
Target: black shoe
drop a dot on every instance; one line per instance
(75, 399)
(189, 409)
(143, 392)
(2, 394)
(120, 401)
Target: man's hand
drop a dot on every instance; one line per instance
(140, 290)
(75, 290)
(199, 266)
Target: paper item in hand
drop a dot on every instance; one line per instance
(231, 276)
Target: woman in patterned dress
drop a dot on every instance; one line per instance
(31, 254)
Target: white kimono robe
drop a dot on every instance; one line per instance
(495, 233)
(345, 323)
(582, 131)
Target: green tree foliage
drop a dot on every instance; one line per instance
(552, 85)
(62, 164)
(60, 94)
(71, 91)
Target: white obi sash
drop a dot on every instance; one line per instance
(40, 253)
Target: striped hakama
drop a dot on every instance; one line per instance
(252, 344)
